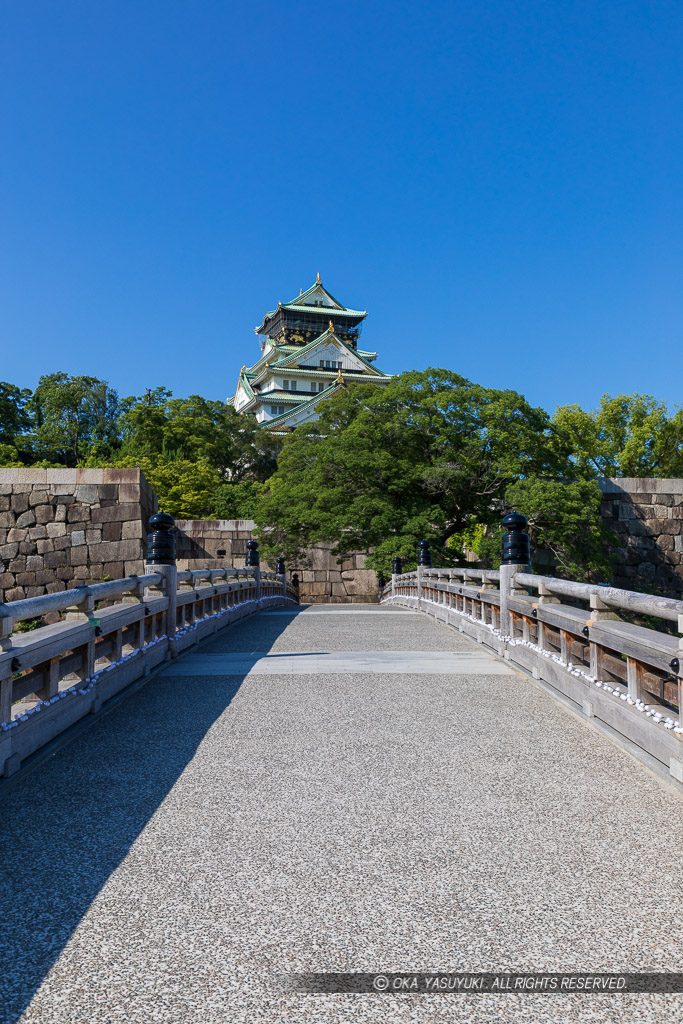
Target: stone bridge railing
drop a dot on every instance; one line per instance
(108, 635)
(576, 637)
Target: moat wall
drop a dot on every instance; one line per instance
(210, 543)
(63, 527)
(646, 517)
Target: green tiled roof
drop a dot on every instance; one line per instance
(309, 291)
(329, 311)
(277, 395)
(322, 372)
(244, 380)
(297, 305)
(303, 405)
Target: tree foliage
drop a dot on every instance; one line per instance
(185, 488)
(196, 428)
(201, 457)
(566, 532)
(74, 416)
(628, 435)
(15, 417)
(424, 456)
(430, 455)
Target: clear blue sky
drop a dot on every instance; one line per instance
(498, 183)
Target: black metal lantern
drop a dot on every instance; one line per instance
(161, 539)
(424, 554)
(280, 566)
(397, 566)
(515, 541)
(253, 559)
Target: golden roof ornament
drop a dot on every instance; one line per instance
(340, 379)
(331, 326)
(317, 278)
(301, 291)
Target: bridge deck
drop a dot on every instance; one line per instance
(338, 788)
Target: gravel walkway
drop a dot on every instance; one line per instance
(216, 832)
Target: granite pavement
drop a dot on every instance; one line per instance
(215, 833)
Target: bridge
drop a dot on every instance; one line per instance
(239, 792)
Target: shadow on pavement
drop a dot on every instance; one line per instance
(68, 825)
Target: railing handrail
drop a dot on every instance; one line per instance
(44, 604)
(615, 597)
(626, 600)
(36, 607)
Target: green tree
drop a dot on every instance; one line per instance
(15, 418)
(425, 456)
(197, 428)
(239, 500)
(75, 417)
(9, 456)
(185, 488)
(564, 522)
(628, 435)
(142, 421)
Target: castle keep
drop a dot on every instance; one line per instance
(309, 349)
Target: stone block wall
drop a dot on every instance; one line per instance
(62, 527)
(211, 543)
(646, 516)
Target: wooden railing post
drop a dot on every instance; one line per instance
(161, 559)
(281, 571)
(253, 561)
(599, 610)
(85, 612)
(5, 677)
(424, 561)
(544, 597)
(679, 674)
(396, 570)
(169, 589)
(515, 559)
